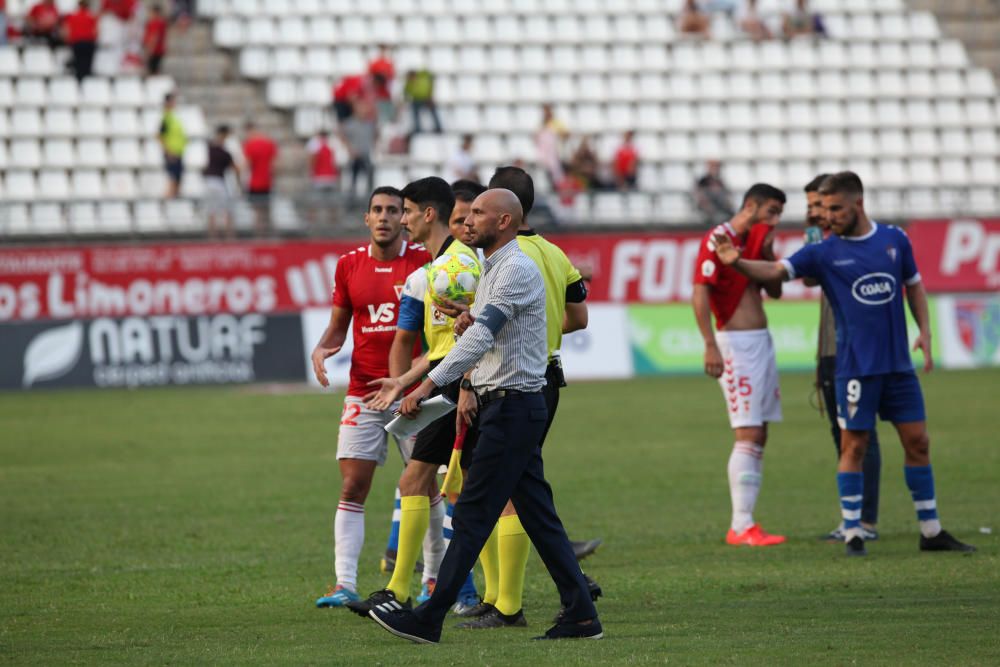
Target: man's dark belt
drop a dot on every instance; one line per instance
(492, 395)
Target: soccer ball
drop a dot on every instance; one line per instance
(453, 277)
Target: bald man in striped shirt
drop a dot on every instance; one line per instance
(507, 347)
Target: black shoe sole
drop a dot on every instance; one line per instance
(402, 635)
(469, 625)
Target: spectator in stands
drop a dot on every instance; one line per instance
(711, 195)
(324, 177)
(183, 11)
(461, 165)
(382, 72)
(625, 167)
(693, 22)
(42, 22)
(751, 23)
(324, 174)
(218, 198)
(80, 32)
(549, 141)
(419, 92)
(585, 166)
(154, 39)
(800, 22)
(359, 133)
(260, 152)
(173, 140)
(125, 13)
(350, 91)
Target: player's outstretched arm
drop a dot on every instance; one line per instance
(390, 389)
(757, 270)
(401, 352)
(916, 297)
(330, 342)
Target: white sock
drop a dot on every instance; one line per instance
(434, 546)
(348, 538)
(930, 528)
(745, 466)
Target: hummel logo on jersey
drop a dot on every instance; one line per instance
(384, 312)
(383, 269)
(843, 262)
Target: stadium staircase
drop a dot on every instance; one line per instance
(208, 77)
(975, 22)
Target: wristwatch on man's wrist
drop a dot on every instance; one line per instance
(466, 384)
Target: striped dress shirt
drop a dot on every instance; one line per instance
(508, 338)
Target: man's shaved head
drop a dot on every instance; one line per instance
(503, 201)
(493, 221)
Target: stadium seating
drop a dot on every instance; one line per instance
(83, 158)
(886, 93)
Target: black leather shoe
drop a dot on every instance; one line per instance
(495, 619)
(405, 625)
(591, 630)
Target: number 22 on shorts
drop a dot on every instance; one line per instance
(351, 411)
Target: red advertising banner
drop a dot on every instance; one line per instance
(81, 282)
(654, 267)
(961, 255)
(77, 282)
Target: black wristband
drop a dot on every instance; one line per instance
(465, 384)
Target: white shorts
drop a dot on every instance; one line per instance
(363, 436)
(217, 197)
(749, 378)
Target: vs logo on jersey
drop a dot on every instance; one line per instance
(384, 312)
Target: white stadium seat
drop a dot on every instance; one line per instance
(86, 184)
(113, 217)
(82, 218)
(20, 186)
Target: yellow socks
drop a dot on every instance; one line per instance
(415, 516)
(514, 547)
(489, 558)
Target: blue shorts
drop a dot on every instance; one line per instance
(895, 397)
(175, 168)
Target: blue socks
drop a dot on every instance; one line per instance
(851, 485)
(920, 481)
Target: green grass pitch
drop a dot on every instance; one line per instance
(193, 526)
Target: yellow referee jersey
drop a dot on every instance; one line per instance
(558, 273)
